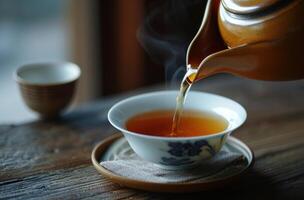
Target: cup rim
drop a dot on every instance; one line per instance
(21, 80)
(123, 130)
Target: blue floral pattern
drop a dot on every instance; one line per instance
(185, 149)
(180, 149)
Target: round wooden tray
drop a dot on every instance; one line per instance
(182, 187)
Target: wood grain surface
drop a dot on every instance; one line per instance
(51, 160)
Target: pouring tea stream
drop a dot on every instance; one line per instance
(257, 40)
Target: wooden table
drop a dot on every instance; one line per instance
(52, 159)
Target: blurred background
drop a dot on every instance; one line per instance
(120, 45)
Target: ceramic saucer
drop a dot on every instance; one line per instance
(108, 149)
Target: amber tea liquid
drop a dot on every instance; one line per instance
(180, 99)
(178, 122)
(191, 123)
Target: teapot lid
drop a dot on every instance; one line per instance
(248, 6)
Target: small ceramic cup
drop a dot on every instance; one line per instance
(47, 88)
(176, 152)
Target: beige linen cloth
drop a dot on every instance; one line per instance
(127, 164)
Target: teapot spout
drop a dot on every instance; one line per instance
(208, 39)
(277, 60)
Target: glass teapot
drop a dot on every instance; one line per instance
(257, 39)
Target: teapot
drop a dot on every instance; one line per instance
(256, 39)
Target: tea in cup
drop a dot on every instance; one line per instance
(207, 120)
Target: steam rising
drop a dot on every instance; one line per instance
(168, 30)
